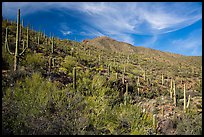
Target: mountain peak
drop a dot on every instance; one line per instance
(103, 38)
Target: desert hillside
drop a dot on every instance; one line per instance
(96, 87)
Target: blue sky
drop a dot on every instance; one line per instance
(172, 26)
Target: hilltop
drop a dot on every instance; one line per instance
(104, 42)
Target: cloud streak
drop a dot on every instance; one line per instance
(116, 18)
(192, 44)
(66, 32)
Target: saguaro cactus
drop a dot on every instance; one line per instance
(184, 98)
(49, 62)
(16, 53)
(162, 79)
(138, 80)
(38, 38)
(154, 122)
(126, 95)
(52, 46)
(171, 89)
(162, 106)
(74, 78)
(123, 78)
(189, 98)
(116, 75)
(144, 75)
(21, 30)
(174, 93)
(171, 84)
(108, 69)
(171, 93)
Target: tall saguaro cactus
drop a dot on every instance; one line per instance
(109, 70)
(16, 53)
(162, 79)
(52, 46)
(126, 99)
(123, 78)
(174, 94)
(171, 84)
(171, 89)
(144, 75)
(189, 98)
(51, 58)
(154, 122)
(38, 38)
(184, 98)
(138, 80)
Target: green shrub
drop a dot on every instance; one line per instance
(35, 61)
(39, 107)
(69, 62)
(191, 124)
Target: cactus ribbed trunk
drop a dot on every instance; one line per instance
(171, 93)
(6, 39)
(154, 122)
(27, 40)
(184, 98)
(189, 98)
(123, 78)
(108, 70)
(126, 95)
(74, 78)
(49, 68)
(17, 42)
(174, 94)
(38, 39)
(138, 81)
(171, 89)
(127, 88)
(144, 75)
(53, 62)
(52, 47)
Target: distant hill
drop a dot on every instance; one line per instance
(104, 42)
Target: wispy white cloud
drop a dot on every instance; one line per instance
(129, 17)
(66, 32)
(124, 38)
(90, 31)
(150, 42)
(191, 45)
